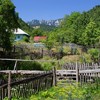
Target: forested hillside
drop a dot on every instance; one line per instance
(43, 26)
(80, 28)
(24, 26)
(42, 29)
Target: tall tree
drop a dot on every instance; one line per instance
(8, 22)
(90, 35)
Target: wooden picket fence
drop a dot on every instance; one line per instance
(83, 72)
(86, 72)
(26, 87)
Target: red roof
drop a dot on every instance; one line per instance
(39, 38)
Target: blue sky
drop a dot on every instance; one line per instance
(51, 9)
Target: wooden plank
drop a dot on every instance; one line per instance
(77, 73)
(22, 71)
(54, 77)
(9, 87)
(90, 71)
(3, 59)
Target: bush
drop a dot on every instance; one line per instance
(95, 54)
(85, 58)
(48, 65)
(69, 92)
(29, 66)
(26, 39)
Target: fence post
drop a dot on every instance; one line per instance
(15, 65)
(9, 87)
(77, 73)
(54, 77)
(2, 93)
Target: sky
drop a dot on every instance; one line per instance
(51, 9)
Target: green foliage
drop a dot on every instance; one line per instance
(91, 92)
(24, 26)
(79, 28)
(47, 28)
(65, 91)
(90, 34)
(15, 99)
(48, 65)
(8, 22)
(85, 58)
(95, 54)
(26, 39)
(68, 91)
(49, 43)
(35, 65)
(37, 32)
(29, 66)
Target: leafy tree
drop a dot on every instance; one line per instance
(49, 43)
(98, 40)
(8, 22)
(95, 54)
(37, 32)
(90, 34)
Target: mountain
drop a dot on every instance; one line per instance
(36, 22)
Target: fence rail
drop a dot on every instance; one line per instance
(17, 64)
(86, 72)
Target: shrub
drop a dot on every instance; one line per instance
(48, 65)
(95, 54)
(26, 65)
(26, 39)
(85, 58)
(69, 92)
(29, 66)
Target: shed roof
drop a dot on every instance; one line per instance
(19, 31)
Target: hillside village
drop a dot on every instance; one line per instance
(49, 59)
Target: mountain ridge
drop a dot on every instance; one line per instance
(36, 22)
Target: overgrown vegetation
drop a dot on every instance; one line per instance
(68, 91)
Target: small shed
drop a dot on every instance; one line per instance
(20, 34)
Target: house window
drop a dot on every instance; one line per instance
(18, 37)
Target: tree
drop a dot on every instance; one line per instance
(95, 54)
(90, 34)
(37, 32)
(68, 27)
(8, 23)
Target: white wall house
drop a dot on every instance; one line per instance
(19, 34)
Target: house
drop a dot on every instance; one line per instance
(20, 34)
(39, 38)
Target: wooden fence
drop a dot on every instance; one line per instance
(83, 73)
(26, 87)
(86, 72)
